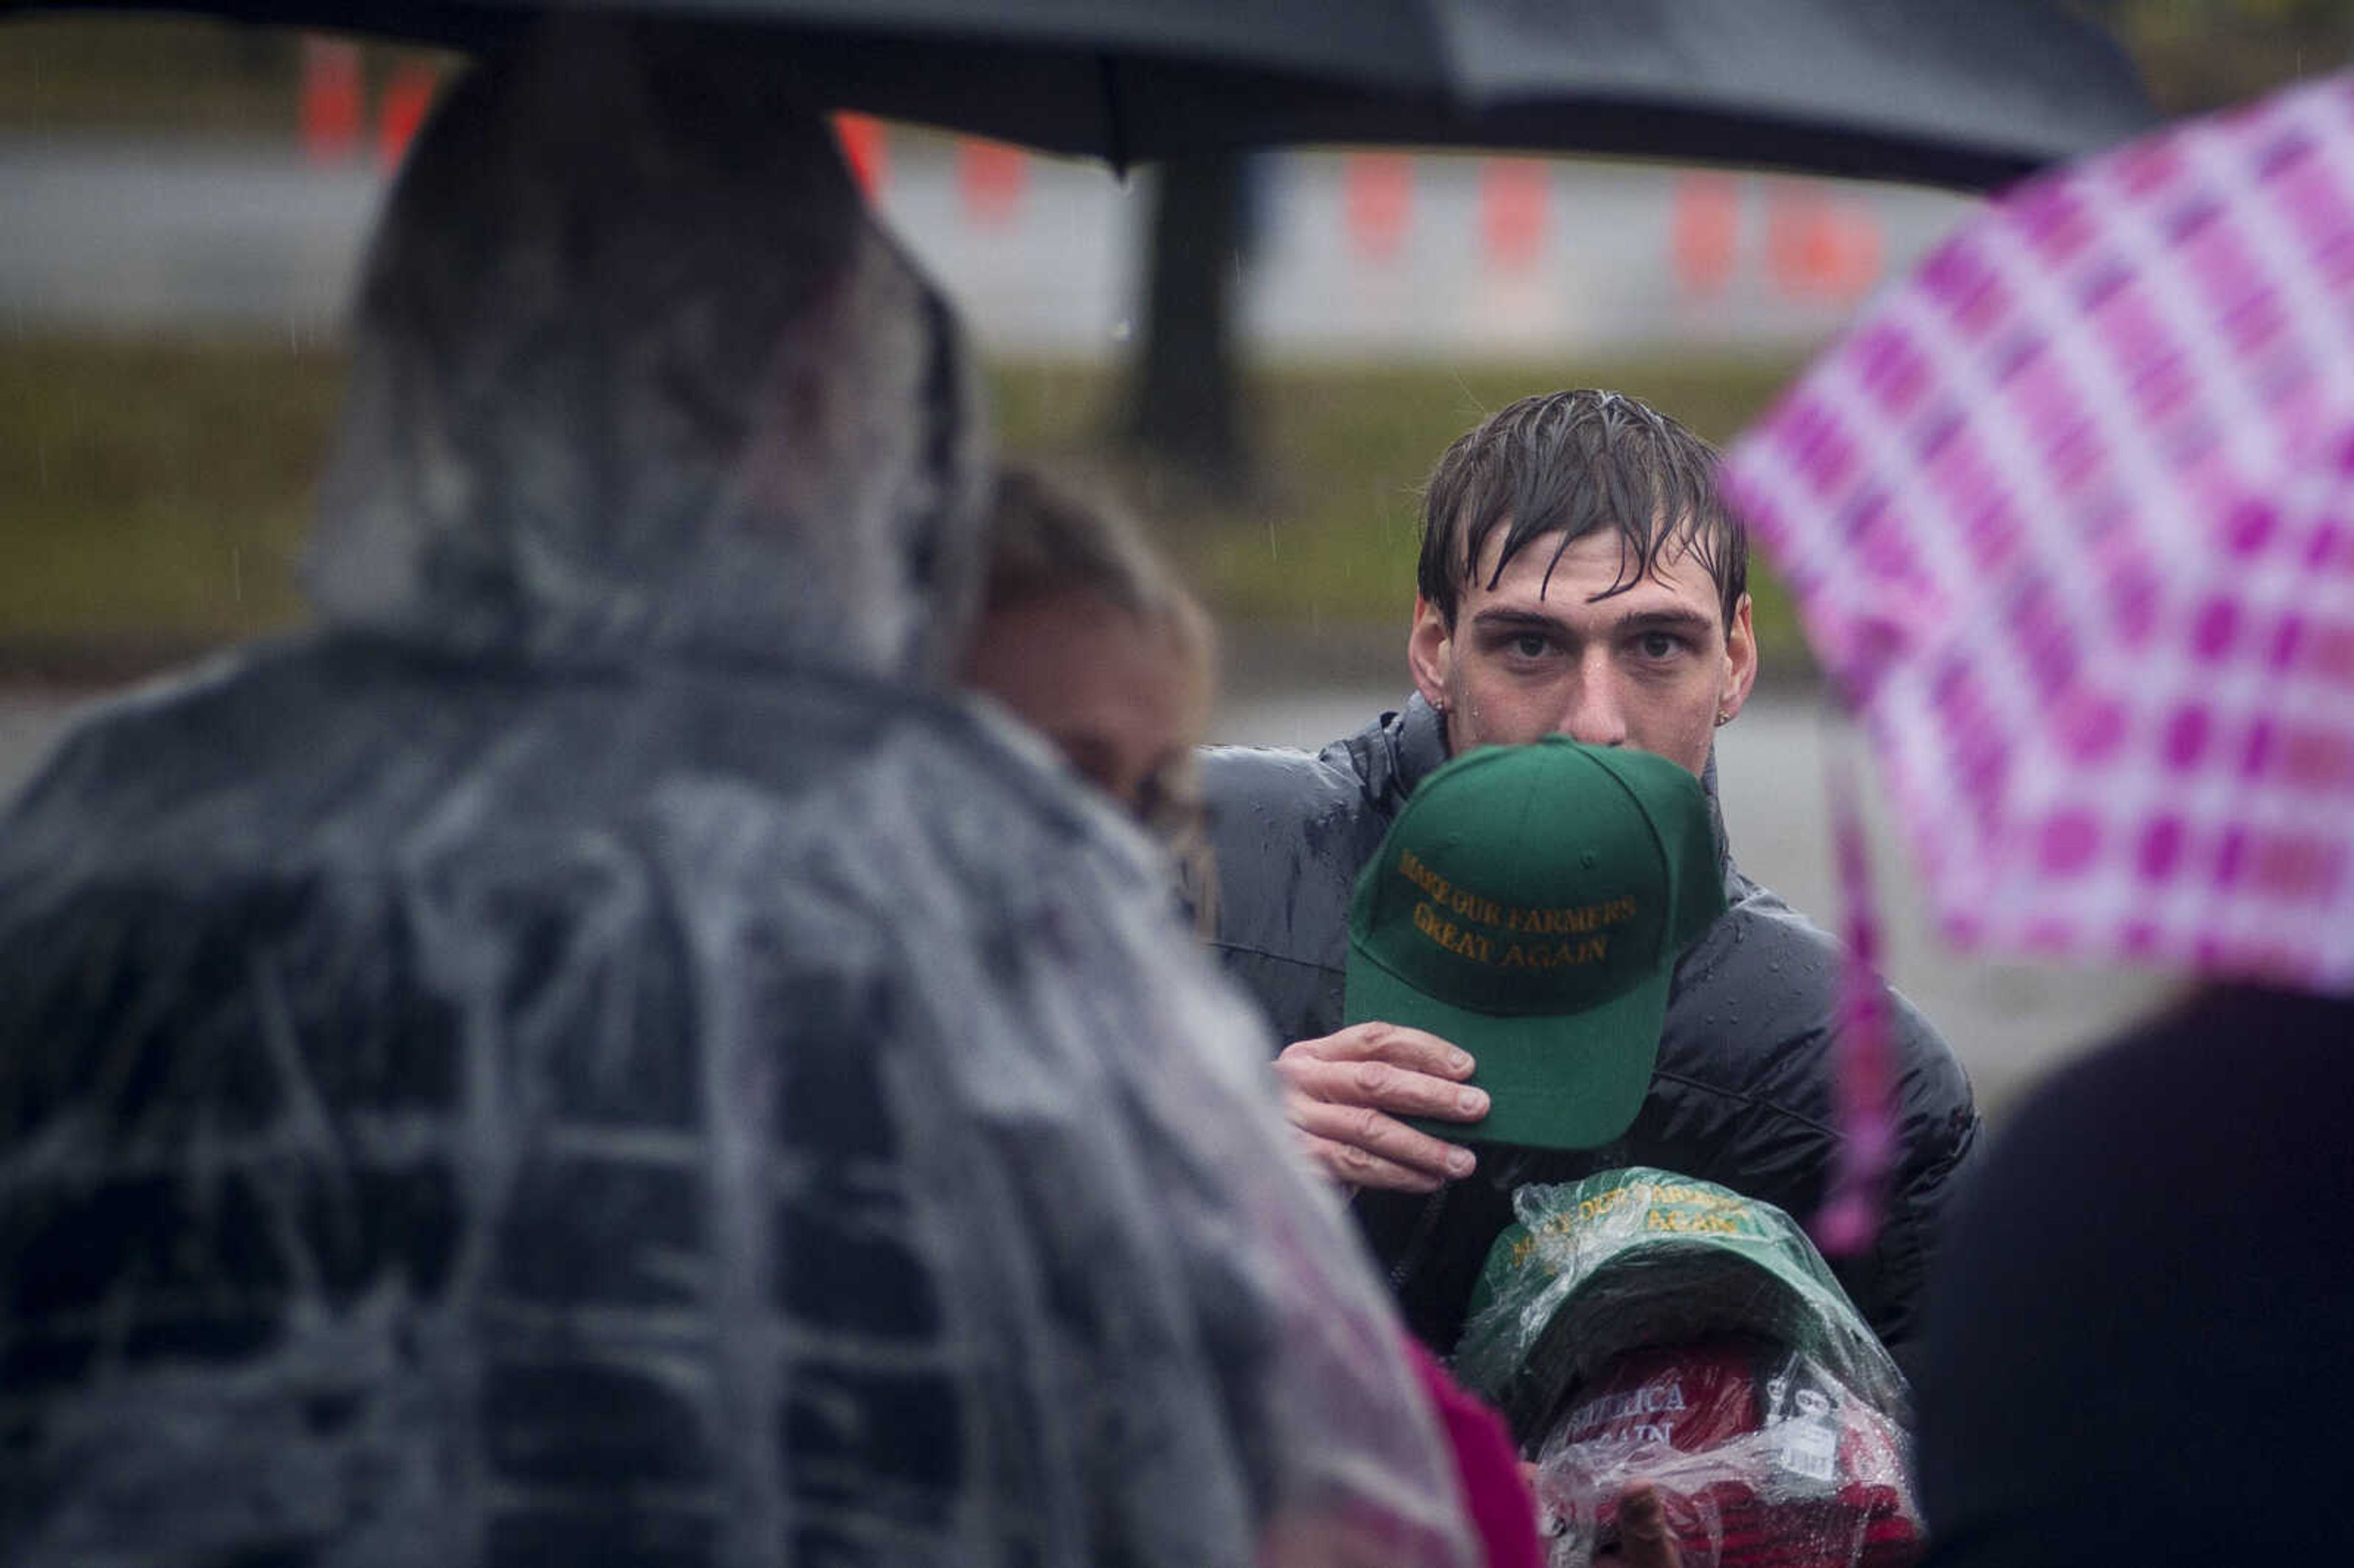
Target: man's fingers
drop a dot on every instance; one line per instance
(1411, 1048)
(1344, 1093)
(1354, 1167)
(1644, 1539)
(1371, 1150)
(1384, 1086)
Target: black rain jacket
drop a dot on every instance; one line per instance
(1744, 1092)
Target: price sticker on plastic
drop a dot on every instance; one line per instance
(1811, 1450)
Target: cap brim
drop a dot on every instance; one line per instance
(1681, 1290)
(1552, 1082)
(1670, 1291)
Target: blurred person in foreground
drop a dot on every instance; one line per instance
(2137, 1337)
(1090, 638)
(588, 1056)
(1579, 574)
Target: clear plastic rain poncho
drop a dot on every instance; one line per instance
(583, 1060)
(1642, 1325)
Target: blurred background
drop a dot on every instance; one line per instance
(1262, 355)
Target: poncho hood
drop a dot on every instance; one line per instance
(634, 371)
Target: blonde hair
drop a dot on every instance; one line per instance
(1047, 540)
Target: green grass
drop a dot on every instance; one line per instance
(157, 493)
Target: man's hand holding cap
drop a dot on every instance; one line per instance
(1528, 905)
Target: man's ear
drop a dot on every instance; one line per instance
(1430, 653)
(1740, 660)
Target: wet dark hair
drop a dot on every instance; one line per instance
(1571, 463)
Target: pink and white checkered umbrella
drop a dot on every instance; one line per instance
(2070, 517)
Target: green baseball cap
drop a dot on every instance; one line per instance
(1631, 1258)
(1529, 905)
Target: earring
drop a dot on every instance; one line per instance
(1722, 718)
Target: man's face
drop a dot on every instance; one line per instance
(1652, 667)
(1120, 700)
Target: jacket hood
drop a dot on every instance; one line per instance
(634, 371)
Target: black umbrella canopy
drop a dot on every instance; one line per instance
(1967, 95)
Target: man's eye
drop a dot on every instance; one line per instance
(1530, 645)
(1658, 644)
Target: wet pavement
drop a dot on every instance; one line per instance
(2010, 1022)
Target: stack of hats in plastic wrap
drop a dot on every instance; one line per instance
(1642, 1325)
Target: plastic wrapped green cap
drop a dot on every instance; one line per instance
(1639, 1256)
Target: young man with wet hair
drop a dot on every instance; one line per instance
(1579, 573)
(1580, 576)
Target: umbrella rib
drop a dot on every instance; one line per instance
(1114, 128)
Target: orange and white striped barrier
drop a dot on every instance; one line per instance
(1704, 232)
(407, 100)
(1819, 248)
(333, 104)
(1515, 211)
(865, 150)
(991, 176)
(1378, 202)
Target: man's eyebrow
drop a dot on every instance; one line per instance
(1499, 616)
(1689, 621)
